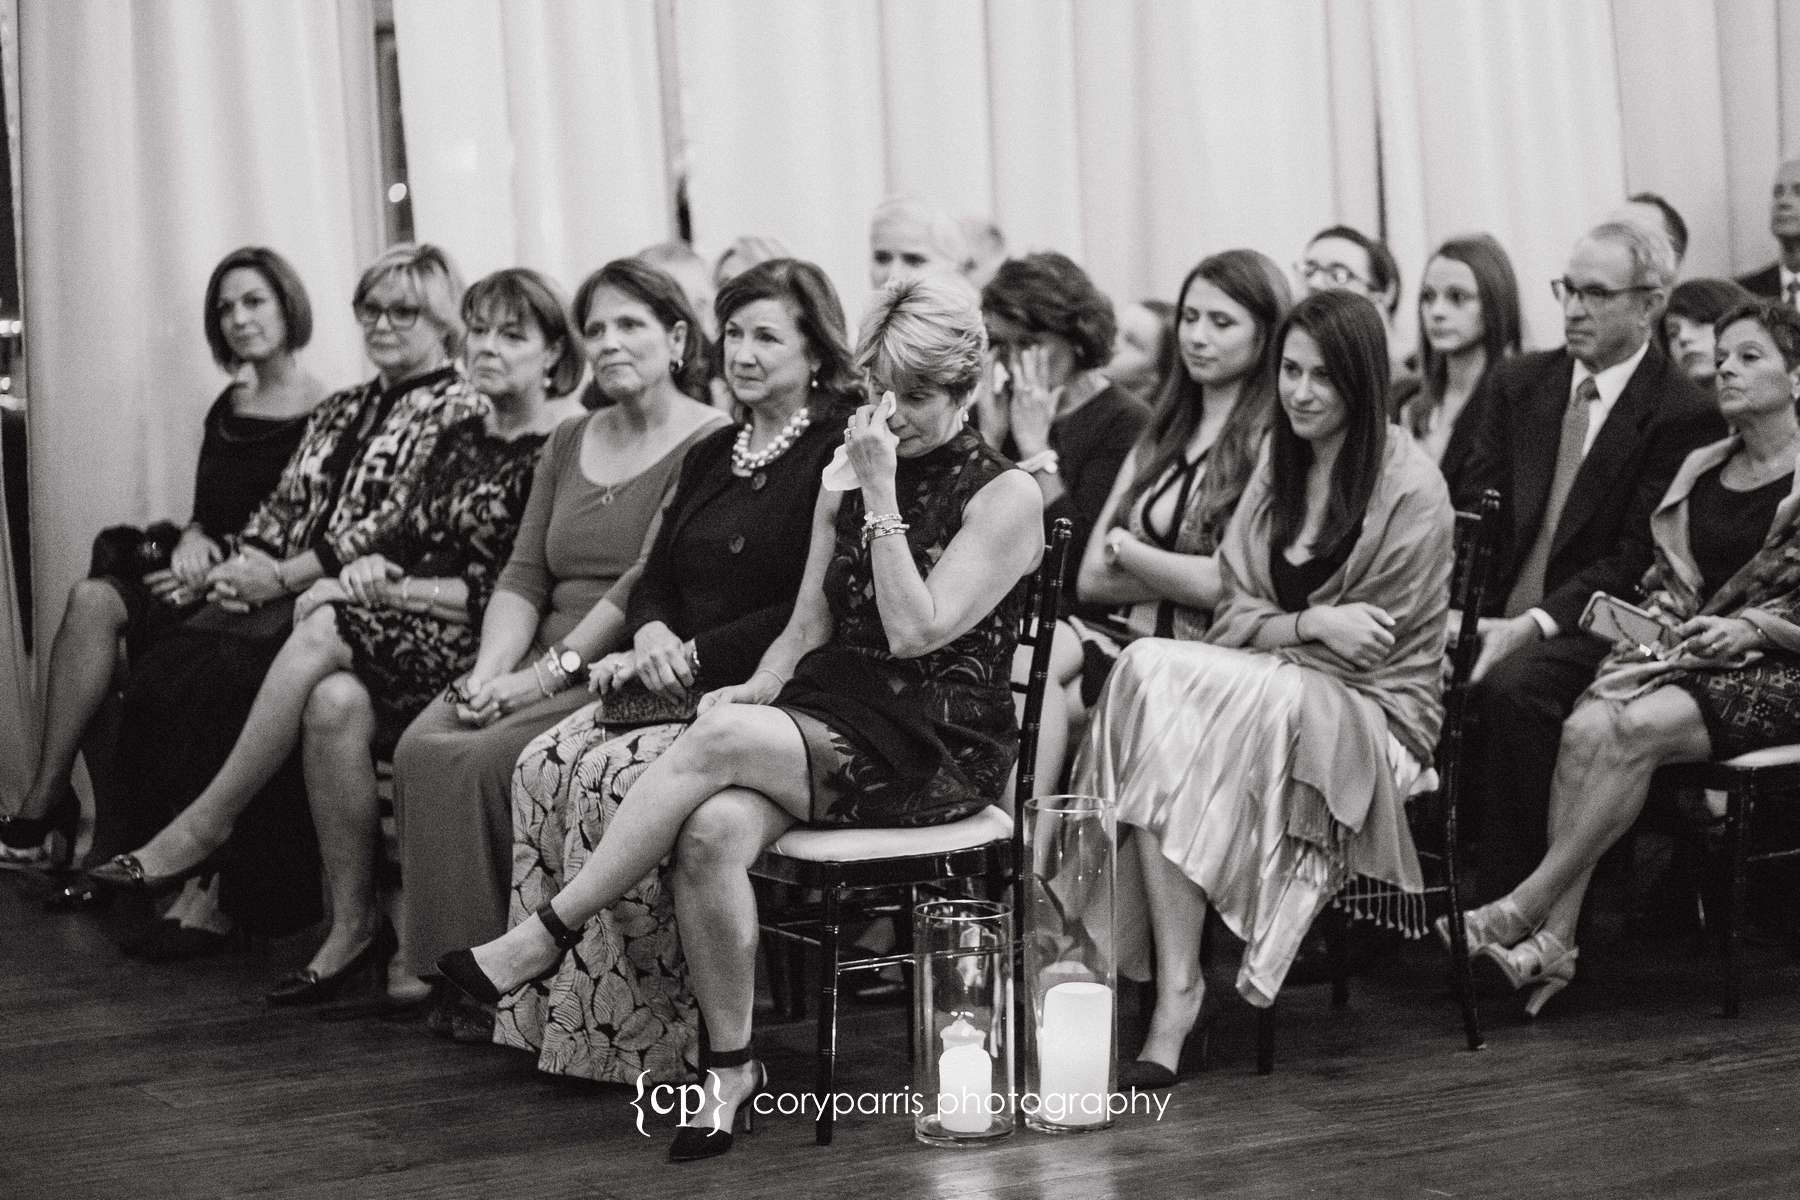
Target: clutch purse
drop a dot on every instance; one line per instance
(635, 704)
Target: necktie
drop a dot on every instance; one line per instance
(1528, 589)
(1793, 293)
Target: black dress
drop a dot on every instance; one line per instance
(908, 741)
(241, 459)
(1753, 706)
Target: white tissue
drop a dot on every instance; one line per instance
(839, 475)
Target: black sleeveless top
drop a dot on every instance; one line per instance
(1295, 583)
(241, 458)
(1726, 527)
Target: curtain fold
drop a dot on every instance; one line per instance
(1710, 102)
(533, 130)
(160, 134)
(1502, 118)
(785, 128)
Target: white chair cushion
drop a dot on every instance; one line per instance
(862, 845)
(1768, 756)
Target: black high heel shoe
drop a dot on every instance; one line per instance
(693, 1143)
(23, 839)
(1142, 1075)
(124, 873)
(461, 969)
(307, 986)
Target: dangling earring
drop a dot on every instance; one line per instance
(815, 381)
(675, 367)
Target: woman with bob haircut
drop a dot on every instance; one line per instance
(374, 645)
(1468, 321)
(351, 482)
(1316, 691)
(142, 583)
(1726, 581)
(559, 604)
(718, 587)
(884, 702)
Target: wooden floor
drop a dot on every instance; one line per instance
(118, 1079)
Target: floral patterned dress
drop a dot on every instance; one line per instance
(461, 524)
(908, 741)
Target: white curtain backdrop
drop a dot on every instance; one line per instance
(160, 134)
(1131, 134)
(783, 104)
(533, 130)
(1710, 97)
(1501, 118)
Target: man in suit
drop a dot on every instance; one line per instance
(1581, 442)
(1781, 278)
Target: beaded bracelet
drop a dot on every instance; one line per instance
(882, 525)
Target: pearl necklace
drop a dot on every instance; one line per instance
(744, 463)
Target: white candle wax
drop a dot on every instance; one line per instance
(965, 1079)
(1075, 1054)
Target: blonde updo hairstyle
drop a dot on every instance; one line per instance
(924, 330)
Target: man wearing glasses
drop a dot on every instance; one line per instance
(1581, 443)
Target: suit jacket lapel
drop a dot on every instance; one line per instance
(1614, 446)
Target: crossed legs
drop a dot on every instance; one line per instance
(311, 654)
(1609, 751)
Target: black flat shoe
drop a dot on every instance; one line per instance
(307, 986)
(461, 969)
(692, 1142)
(124, 873)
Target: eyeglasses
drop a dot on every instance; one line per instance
(399, 316)
(1336, 274)
(1591, 295)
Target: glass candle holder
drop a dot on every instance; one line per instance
(1070, 966)
(962, 1021)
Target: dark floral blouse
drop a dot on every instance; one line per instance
(461, 524)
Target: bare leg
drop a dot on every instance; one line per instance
(1059, 718)
(270, 734)
(737, 745)
(1177, 915)
(82, 661)
(1611, 752)
(338, 727)
(715, 908)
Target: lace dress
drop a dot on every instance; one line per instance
(461, 524)
(907, 741)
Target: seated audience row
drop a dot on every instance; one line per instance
(432, 564)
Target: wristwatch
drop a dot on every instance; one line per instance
(565, 662)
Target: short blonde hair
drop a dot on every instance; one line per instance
(944, 232)
(924, 329)
(432, 275)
